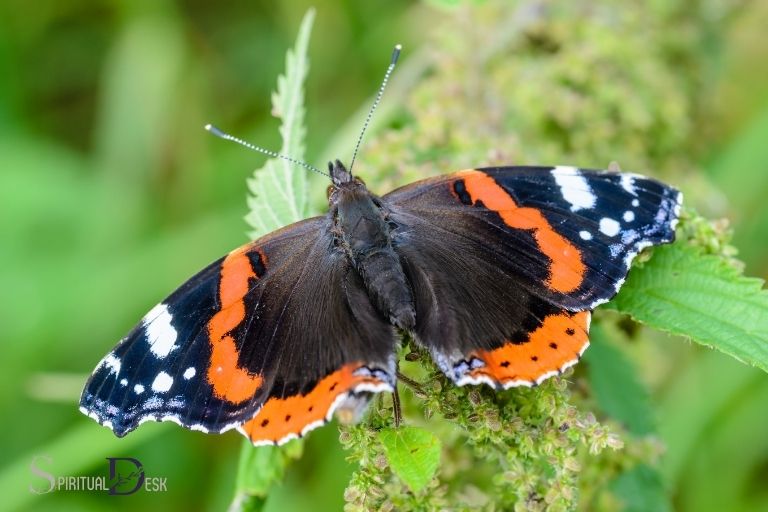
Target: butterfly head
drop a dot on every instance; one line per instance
(339, 174)
(343, 183)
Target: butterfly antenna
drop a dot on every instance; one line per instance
(267, 152)
(395, 55)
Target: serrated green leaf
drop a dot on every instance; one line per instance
(685, 292)
(278, 191)
(616, 385)
(413, 454)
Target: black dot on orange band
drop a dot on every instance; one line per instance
(504, 364)
(333, 386)
(310, 408)
(534, 358)
(287, 417)
(265, 423)
(553, 345)
(570, 332)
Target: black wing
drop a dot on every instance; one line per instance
(506, 263)
(281, 320)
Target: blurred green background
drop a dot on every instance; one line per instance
(111, 194)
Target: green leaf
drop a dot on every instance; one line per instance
(684, 291)
(258, 469)
(413, 454)
(279, 189)
(616, 385)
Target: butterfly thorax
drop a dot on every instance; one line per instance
(363, 233)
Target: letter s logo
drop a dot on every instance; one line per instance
(36, 470)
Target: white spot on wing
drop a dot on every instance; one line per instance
(123, 382)
(160, 333)
(585, 235)
(628, 216)
(189, 373)
(574, 187)
(162, 382)
(138, 388)
(609, 227)
(628, 183)
(112, 362)
(635, 202)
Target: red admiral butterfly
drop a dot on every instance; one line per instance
(495, 271)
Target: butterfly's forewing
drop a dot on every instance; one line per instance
(268, 339)
(506, 263)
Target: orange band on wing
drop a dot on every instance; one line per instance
(555, 345)
(280, 418)
(229, 381)
(567, 269)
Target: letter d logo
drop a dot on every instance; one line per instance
(121, 481)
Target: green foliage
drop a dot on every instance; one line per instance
(620, 394)
(112, 194)
(641, 490)
(413, 454)
(75, 450)
(259, 469)
(382, 478)
(685, 292)
(531, 448)
(279, 198)
(500, 449)
(747, 154)
(616, 385)
(279, 190)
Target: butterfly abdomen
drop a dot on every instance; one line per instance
(367, 242)
(387, 286)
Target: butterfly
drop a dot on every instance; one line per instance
(495, 271)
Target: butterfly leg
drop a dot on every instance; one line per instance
(398, 413)
(414, 385)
